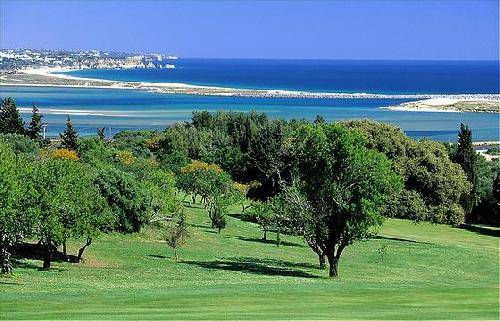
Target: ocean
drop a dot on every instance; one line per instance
(120, 109)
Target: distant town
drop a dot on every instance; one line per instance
(12, 60)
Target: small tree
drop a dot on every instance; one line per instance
(178, 234)
(264, 215)
(69, 138)
(35, 126)
(101, 133)
(10, 119)
(217, 211)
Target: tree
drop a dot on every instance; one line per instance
(466, 157)
(35, 126)
(16, 189)
(69, 138)
(433, 184)
(67, 205)
(214, 186)
(10, 119)
(178, 234)
(344, 183)
(263, 214)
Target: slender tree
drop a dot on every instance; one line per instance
(466, 157)
(35, 126)
(101, 133)
(10, 119)
(69, 138)
(177, 235)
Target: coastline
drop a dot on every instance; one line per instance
(450, 105)
(48, 77)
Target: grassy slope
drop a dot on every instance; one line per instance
(428, 272)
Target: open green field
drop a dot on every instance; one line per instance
(428, 272)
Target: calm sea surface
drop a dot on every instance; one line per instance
(131, 109)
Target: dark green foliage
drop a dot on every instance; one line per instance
(319, 120)
(466, 157)
(21, 144)
(125, 198)
(433, 185)
(10, 119)
(35, 126)
(487, 210)
(140, 143)
(69, 138)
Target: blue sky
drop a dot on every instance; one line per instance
(259, 29)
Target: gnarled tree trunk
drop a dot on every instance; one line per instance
(334, 266)
(82, 249)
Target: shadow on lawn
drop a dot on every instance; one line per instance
(157, 256)
(253, 265)
(479, 229)
(268, 241)
(378, 237)
(34, 252)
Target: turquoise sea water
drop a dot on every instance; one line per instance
(128, 109)
(131, 109)
(368, 76)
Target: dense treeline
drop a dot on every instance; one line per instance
(330, 183)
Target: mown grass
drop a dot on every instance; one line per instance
(428, 272)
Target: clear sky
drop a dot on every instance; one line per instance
(259, 29)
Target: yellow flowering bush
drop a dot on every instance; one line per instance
(64, 153)
(125, 157)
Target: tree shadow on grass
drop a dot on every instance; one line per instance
(254, 266)
(268, 241)
(34, 252)
(242, 217)
(378, 237)
(483, 230)
(157, 256)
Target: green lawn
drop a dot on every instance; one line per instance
(428, 272)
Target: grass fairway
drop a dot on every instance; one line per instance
(428, 272)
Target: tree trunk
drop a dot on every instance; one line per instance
(82, 249)
(47, 255)
(322, 261)
(265, 235)
(5, 258)
(219, 230)
(334, 265)
(176, 255)
(193, 199)
(278, 239)
(65, 252)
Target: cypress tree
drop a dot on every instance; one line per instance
(10, 120)
(35, 125)
(69, 138)
(466, 157)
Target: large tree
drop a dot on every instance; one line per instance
(345, 185)
(10, 119)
